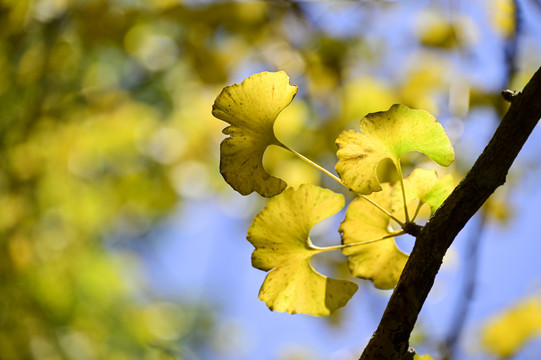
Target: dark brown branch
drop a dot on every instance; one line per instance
(391, 339)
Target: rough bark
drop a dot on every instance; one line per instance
(391, 339)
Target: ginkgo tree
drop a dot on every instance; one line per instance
(280, 233)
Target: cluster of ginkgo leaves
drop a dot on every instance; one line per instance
(280, 232)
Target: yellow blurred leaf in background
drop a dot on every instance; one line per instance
(506, 333)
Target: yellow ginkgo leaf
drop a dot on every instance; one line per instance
(425, 186)
(251, 109)
(380, 261)
(388, 134)
(280, 234)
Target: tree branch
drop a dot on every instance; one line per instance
(391, 339)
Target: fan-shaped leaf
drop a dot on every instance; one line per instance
(388, 134)
(425, 186)
(380, 261)
(280, 234)
(251, 109)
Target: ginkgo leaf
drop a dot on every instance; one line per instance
(251, 109)
(380, 261)
(388, 134)
(425, 186)
(280, 234)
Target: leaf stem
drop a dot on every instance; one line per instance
(417, 211)
(400, 176)
(340, 247)
(336, 178)
(402, 225)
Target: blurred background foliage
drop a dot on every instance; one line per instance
(105, 130)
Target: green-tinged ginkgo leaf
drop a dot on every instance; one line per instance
(505, 334)
(388, 134)
(425, 186)
(280, 234)
(380, 261)
(251, 109)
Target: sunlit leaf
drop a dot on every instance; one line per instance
(506, 333)
(251, 109)
(388, 134)
(280, 234)
(425, 186)
(380, 261)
